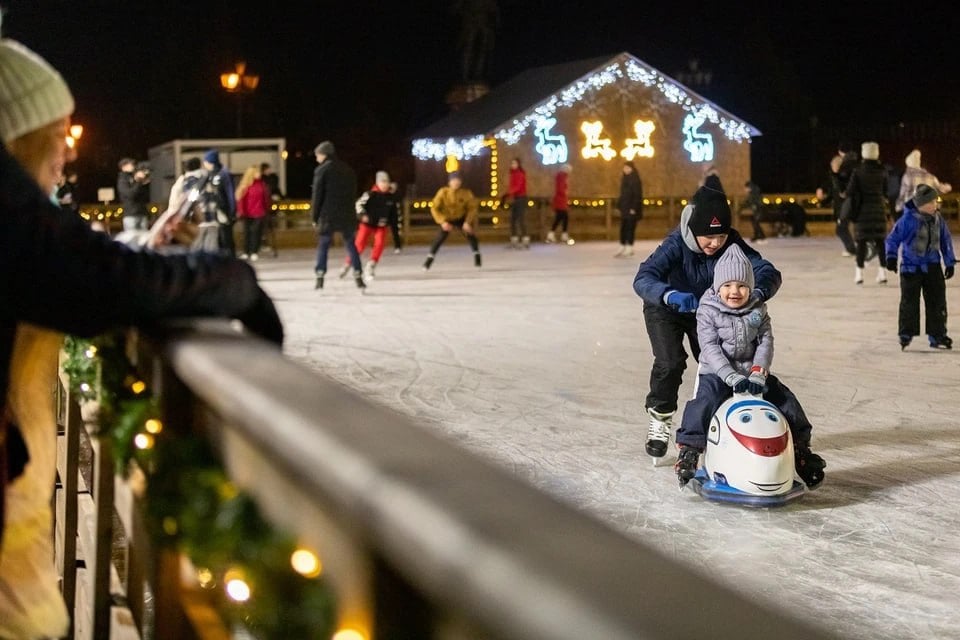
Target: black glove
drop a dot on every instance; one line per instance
(948, 273)
(262, 319)
(755, 388)
(892, 264)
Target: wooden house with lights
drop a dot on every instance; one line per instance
(594, 115)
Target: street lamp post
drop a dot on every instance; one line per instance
(239, 82)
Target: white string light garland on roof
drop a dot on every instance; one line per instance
(624, 69)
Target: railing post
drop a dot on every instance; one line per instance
(103, 472)
(66, 517)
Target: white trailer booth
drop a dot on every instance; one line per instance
(166, 160)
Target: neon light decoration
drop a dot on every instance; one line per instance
(595, 146)
(639, 146)
(698, 144)
(551, 147)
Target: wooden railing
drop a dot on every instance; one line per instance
(419, 538)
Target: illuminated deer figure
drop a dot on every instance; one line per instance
(551, 147)
(698, 145)
(596, 146)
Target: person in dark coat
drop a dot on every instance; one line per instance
(841, 168)
(630, 204)
(217, 194)
(63, 277)
(866, 192)
(133, 190)
(332, 206)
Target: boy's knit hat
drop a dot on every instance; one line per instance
(326, 148)
(212, 156)
(382, 176)
(711, 213)
(924, 194)
(870, 151)
(32, 93)
(733, 266)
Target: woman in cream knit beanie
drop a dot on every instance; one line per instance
(35, 106)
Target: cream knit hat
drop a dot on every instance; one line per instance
(32, 93)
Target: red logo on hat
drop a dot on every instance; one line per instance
(714, 222)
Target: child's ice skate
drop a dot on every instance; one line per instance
(940, 342)
(809, 466)
(658, 435)
(686, 466)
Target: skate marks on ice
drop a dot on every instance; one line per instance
(543, 369)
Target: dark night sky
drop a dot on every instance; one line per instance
(368, 74)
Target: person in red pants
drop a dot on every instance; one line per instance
(374, 209)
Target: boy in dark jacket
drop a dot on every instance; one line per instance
(671, 282)
(924, 237)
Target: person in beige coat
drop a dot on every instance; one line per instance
(454, 206)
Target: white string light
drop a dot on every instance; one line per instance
(626, 68)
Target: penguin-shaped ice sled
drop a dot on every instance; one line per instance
(749, 457)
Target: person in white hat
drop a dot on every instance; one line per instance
(60, 276)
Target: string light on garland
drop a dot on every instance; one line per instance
(349, 634)
(272, 588)
(306, 563)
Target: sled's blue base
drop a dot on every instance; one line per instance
(722, 492)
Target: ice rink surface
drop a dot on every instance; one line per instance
(539, 362)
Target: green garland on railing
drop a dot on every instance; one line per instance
(258, 576)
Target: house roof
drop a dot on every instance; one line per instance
(530, 89)
(513, 97)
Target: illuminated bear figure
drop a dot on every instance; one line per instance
(749, 456)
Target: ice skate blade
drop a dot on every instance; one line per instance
(661, 461)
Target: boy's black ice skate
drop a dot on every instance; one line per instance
(809, 466)
(658, 433)
(686, 466)
(905, 341)
(318, 284)
(941, 342)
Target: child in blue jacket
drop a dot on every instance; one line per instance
(671, 282)
(922, 238)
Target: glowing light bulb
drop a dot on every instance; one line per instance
(205, 578)
(143, 441)
(238, 590)
(306, 563)
(153, 426)
(349, 634)
(138, 387)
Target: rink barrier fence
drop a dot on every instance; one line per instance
(419, 537)
(591, 219)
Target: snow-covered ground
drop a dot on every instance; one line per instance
(539, 361)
